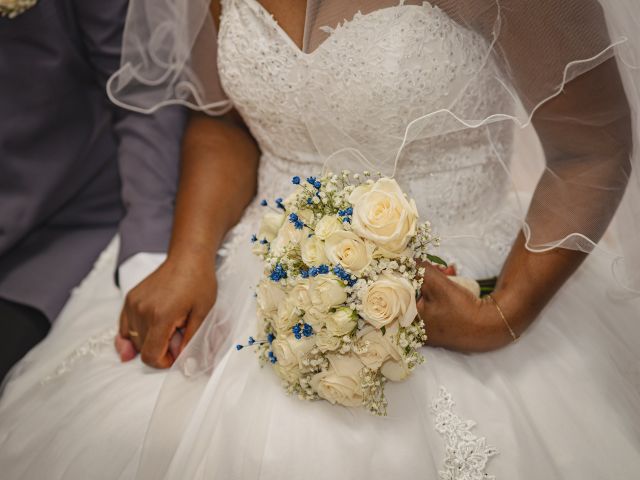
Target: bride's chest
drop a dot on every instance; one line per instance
(373, 73)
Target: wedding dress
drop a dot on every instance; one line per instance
(561, 403)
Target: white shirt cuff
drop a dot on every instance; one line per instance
(137, 268)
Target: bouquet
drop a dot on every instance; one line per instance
(337, 314)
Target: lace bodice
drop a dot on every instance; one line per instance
(370, 85)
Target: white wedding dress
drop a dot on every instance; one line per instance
(561, 403)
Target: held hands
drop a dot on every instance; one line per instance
(456, 319)
(163, 312)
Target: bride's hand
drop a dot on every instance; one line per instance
(176, 297)
(456, 319)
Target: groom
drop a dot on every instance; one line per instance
(74, 169)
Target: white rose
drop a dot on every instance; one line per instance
(269, 296)
(287, 234)
(395, 370)
(270, 225)
(388, 299)
(326, 342)
(314, 318)
(341, 322)
(299, 295)
(380, 348)
(290, 374)
(259, 248)
(467, 283)
(326, 291)
(287, 315)
(341, 383)
(290, 202)
(289, 351)
(382, 214)
(312, 251)
(350, 251)
(327, 226)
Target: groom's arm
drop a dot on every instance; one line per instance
(148, 148)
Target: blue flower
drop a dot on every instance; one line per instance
(297, 331)
(346, 220)
(311, 180)
(349, 211)
(278, 273)
(314, 272)
(307, 330)
(342, 274)
(251, 341)
(323, 269)
(264, 203)
(239, 347)
(309, 201)
(317, 184)
(295, 180)
(272, 357)
(279, 203)
(304, 273)
(299, 224)
(271, 337)
(254, 238)
(264, 241)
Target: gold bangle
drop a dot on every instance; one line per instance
(504, 319)
(133, 333)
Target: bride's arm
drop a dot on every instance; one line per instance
(580, 155)
(217, 181)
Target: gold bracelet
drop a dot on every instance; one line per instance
(504, 319)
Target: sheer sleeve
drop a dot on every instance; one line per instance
(169, 56)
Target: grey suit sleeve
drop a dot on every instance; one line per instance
(149, 145)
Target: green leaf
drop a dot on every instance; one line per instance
(436, 259)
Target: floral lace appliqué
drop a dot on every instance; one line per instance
(91, 347)
(466, 454)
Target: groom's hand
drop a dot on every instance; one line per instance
(173, 300)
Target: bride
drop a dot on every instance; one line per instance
(430, 94)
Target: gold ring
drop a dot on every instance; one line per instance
(133, 333)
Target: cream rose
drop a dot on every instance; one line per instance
(388, 299)
(314, 318)
(326, 342)
(287, 315)
(382, 214)
(299, 295)
(312, 251)
(268, 296)
(326, 291)
(379, 349)
(395, 371)
(270, 225)
(341, 384)
(349, 250)
(289, 351)
(289, 234)
(290, 374)
(327, 226)
(341, 322)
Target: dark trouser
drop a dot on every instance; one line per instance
(21, 328)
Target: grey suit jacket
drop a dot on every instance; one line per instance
(73, 167)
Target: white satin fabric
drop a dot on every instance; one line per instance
(563, 402)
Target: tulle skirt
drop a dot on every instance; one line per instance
(562, 402)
